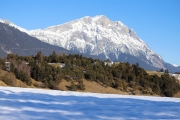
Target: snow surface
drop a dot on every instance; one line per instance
(176, 75)
(175, 65)
(37, 104)
(13, 25)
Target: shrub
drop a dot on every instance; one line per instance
(73, 87)
(9, 79)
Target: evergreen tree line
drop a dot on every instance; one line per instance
(118, 75)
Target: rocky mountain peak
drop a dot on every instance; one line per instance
(6, 21)
(97, 36)
(101, 37)
(101, 20)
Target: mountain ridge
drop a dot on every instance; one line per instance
(12, 40)
(98, 36)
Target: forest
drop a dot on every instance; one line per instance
(118, 75)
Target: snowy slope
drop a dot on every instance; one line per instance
(12, 40)
(37, 104)
(175, 65)
(98, 35)
(13, 25)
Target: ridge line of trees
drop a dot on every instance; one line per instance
(121, 76)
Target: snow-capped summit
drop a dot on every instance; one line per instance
(13, 25)
(99, 36)
(175, 65)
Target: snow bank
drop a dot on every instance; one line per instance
(37, 104)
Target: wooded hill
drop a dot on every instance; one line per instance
(120, 76)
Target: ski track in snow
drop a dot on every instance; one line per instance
(37, 104)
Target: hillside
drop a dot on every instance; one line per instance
(154, 73)
(85, 74)
(90, 85)
(9, 79)
(12, 40)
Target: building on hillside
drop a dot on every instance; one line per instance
(84, 71)
(108, 63)
(116, 62)
(26, 63)
(61, 65)
(8, 66)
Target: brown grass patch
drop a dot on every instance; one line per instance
(177, 95)
(91, 86)
(19, 83)
(2, 83)
(55, 65)
(8, 79)
(62, 85)
(154, 73)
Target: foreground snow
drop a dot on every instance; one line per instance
(27, 103)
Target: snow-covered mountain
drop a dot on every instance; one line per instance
(13, 40)
(175, 65)
(13, 25)
(99, 36)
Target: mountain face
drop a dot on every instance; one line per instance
(101, 37)
(12, 40)
(96, 36)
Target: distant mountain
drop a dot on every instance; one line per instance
(98, 36)
(12, 40)
(172, 68)
(101, 37)
(176, 65)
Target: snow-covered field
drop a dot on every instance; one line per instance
(37, 104)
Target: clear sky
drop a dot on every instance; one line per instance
(157, 22)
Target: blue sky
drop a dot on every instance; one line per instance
(157, 22)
